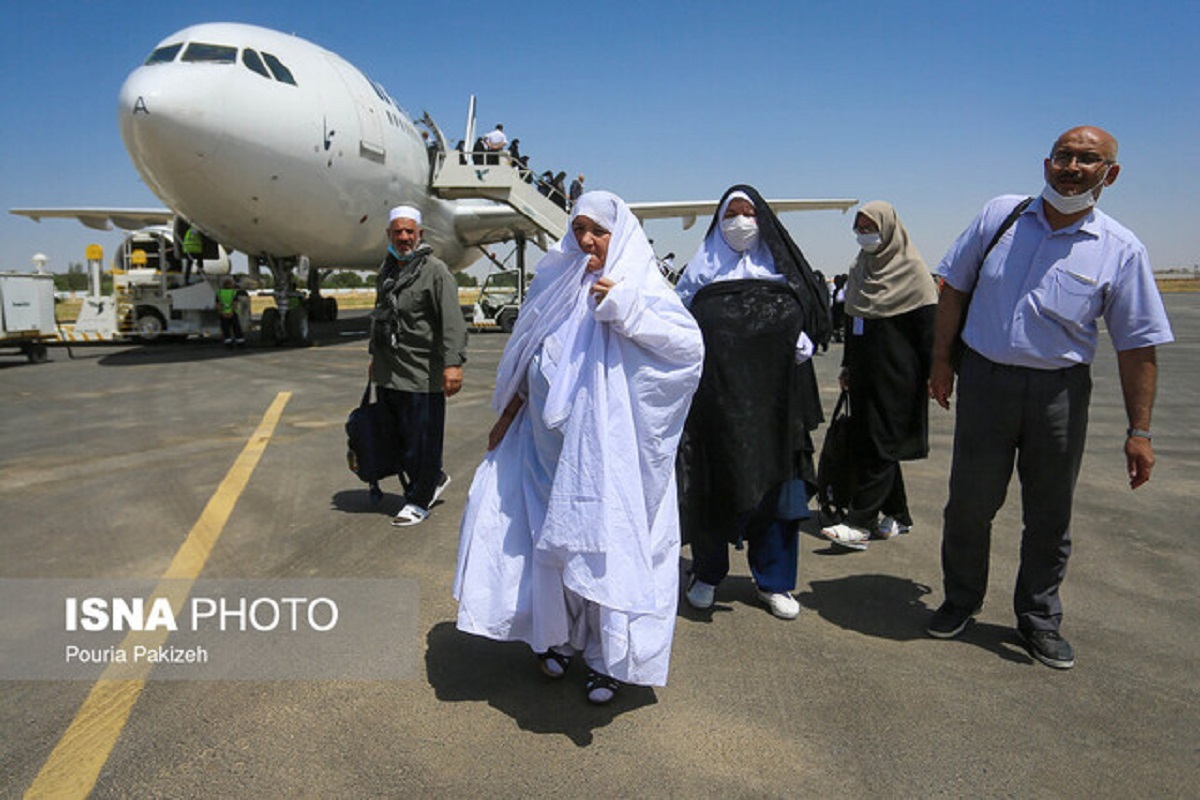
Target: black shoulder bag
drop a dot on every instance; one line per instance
(835, 467)
(956, 350)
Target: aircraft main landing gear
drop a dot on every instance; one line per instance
(270, 327)
(295, 322)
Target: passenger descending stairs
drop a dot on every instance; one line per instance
(458, 177)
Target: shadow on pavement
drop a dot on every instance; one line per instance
(170, 351)
(1000, 639)
(888, 607)
(505, 675)
(883, 606)
(360, 501)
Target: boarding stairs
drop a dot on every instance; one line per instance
(126, 313)
(458, 175)
(493, 175)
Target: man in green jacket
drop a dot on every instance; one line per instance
(231, 326)
(193, 253)
(418, 345)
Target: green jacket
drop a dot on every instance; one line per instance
(225, 300)
(193, 244)
(417, 325)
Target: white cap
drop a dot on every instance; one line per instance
(405, 212)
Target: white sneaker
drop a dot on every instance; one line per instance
(782, 605)
(410, 515)
(701, 595)
(890, 526)
(441, 487)
(847, 536)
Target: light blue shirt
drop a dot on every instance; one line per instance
(1036, 298)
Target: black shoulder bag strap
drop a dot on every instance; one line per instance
(1009, 221)
(1017, 211)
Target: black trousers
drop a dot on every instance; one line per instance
(878, 489)
(231, 328)
(1037, 418)
(421, 424)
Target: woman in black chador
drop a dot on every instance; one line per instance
(746, 464)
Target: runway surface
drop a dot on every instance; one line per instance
(108, 461)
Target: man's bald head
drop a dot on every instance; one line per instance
(1092, 136)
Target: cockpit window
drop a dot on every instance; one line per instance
(164, 55)
(210, 53)
(281, 73)
(250, 59)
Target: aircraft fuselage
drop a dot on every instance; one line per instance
(277, 147)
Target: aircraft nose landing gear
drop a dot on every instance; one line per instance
(290, 326)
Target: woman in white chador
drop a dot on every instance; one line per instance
(570, 537)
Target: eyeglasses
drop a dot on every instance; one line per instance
(1063, 158)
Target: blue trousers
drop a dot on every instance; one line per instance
(421, 425)
(1037, 418)
(773, 551)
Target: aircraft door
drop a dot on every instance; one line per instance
(370, 125)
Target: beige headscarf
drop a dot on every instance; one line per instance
(892, 281)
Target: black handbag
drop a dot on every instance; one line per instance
(835, 467)
(372, 448)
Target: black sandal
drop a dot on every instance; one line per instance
(558, 658)
(601, 689)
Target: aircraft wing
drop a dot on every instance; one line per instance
(488, 223)
(102, 219)
(689, 211)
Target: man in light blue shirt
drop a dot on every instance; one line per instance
(1024, 383)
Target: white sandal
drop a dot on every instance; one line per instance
(410, 515)
(847, 536)
(890, 526)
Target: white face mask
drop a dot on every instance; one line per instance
(871, 242)
(1075, 203)
(741, 233)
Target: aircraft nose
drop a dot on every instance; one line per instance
(167, 122)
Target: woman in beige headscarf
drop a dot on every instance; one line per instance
(891, 300)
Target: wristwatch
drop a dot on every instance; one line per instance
(1138, 433)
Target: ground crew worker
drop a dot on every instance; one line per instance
(231, 326)
(193, 251)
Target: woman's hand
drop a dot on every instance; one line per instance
(601, 287)
(496, 434)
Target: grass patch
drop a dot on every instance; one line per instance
(1174, 285)
(66, 311)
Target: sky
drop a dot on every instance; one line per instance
(933, 106)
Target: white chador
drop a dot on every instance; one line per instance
(570, 537)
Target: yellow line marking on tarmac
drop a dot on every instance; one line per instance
(75, 763)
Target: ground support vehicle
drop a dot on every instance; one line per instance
(155, 293)
(27, 313)
(497, 303)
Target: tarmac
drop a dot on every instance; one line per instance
(109, 458)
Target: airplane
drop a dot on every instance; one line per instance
(274, 146)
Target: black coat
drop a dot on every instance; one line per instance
(889, 397)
